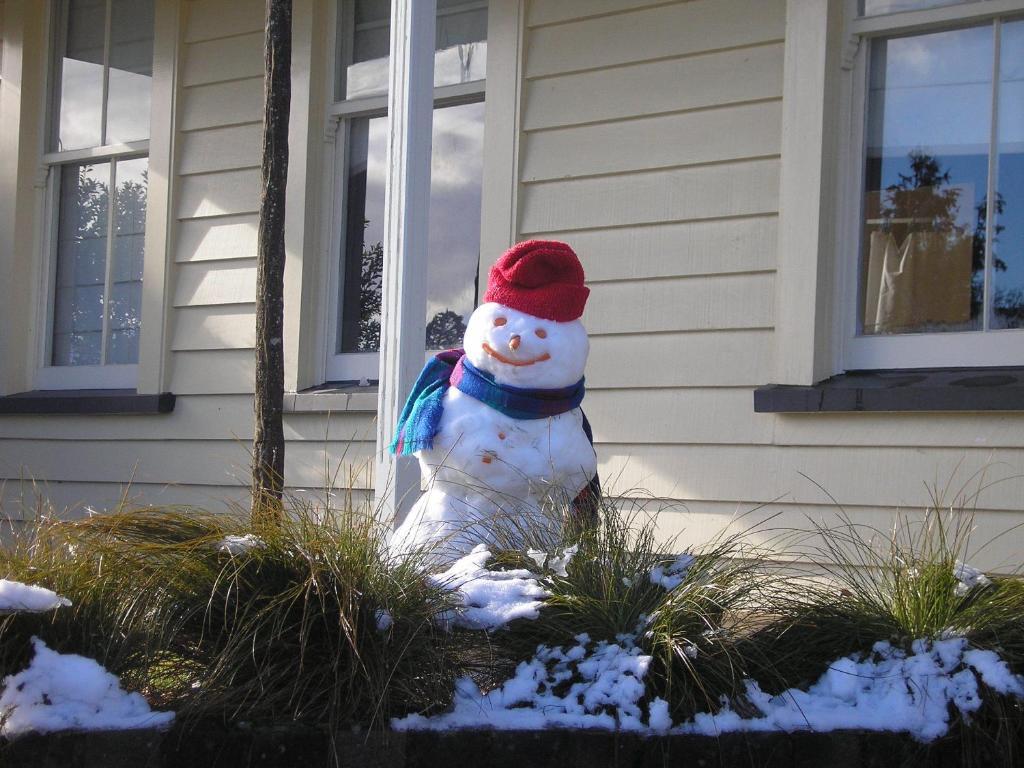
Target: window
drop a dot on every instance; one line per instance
(97, 162)
(936, 275)
(357, 205)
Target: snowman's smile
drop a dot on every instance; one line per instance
(509, 361)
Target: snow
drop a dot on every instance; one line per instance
(239, 545)
(15, 596)
(672, 575)
(889, 690)
(968, 577)
(660, 720)
(587, 685)
(384, 620)
(601, 685)
(490, 599)
(65, 691)
(557, 562)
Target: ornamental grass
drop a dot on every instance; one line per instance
(688, 612)
(303, 621)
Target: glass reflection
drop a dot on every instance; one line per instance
(81, 76)
(1008, 226)
(129, 51)
(926, 176)
(461, 47)
(454, 229)
(125, 316)
(81, 265)
(82, 284)
(131, 71)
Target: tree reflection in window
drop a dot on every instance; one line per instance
(98, 311)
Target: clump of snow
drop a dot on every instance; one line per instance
(384, 620)
(65, 691)
(490, 599)
(659, 720)
(968, 577)
(889, 690)
(557, 562)
(15, 596)
(673, 574)
(587, 685)
(239, 545)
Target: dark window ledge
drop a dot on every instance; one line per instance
(86, 401)
(932, 389)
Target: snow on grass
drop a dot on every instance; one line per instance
(490, 599)
(968, 577)
(672, 575)
(239, 545)
(384, 620)
(601, 685)
(588, 685)
(65, 691)
(889, 690)
(557, 562)
(15, 596)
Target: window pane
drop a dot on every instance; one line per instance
(361, 267)
(81, 76)
(126, 271)
(454, 229)
(455, 179)
(1008, 232)
(461, 45)
(876, 7)
(81, 264)
(926, 175)
(131, 70)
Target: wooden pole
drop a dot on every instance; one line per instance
(268, 400)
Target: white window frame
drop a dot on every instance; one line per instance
(981, 348)
(147, 375)
(821, 169)
(360, 366)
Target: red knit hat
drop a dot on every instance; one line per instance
(543, 278)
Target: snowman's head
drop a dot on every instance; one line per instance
(528, 333)
(526, 351)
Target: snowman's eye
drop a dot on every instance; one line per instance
(500, 321)
(541, 333)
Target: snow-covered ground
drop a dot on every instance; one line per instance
(490, 599)
(61, 691)
(601, 684)
(588, 685)
(889, 690)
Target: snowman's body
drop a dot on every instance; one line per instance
(485, 465)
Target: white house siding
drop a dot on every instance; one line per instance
(198, 454)
(650, 140)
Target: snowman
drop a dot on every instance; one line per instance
(497, 425)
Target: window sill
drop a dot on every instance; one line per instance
(86, 402)
(334, 396)
(935, 389)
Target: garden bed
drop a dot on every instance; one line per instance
(216, 747)
(558, 647)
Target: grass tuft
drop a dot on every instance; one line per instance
(690, 631)
(314, 625)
